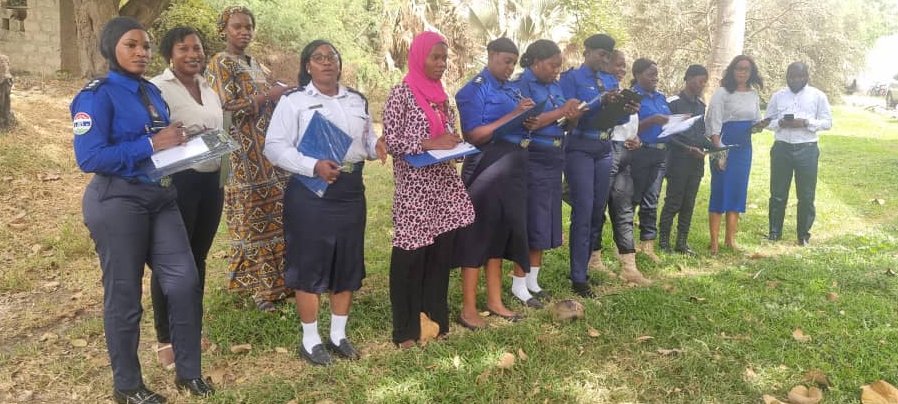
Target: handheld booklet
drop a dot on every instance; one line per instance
(432, 157)
(204, 146)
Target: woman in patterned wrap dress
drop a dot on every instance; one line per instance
(254, 198)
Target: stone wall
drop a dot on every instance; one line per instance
(36, 44)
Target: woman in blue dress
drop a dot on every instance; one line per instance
(496, 180)
(542, 64)
(732, 113)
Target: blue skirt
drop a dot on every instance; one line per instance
(544, 196)
(729, 188)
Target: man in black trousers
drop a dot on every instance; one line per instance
(685, 162)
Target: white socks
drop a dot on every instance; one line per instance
(338, 328)
(532, 284)
(519, 288)
(310, 336)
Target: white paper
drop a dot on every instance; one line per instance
(193, 148)
(677, 124)
(459, 150)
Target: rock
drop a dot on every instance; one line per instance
(567, 309)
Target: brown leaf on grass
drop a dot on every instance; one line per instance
(749, 374)
(668, 288)
(817, 377)
(293, 401)
(768, 399)
(281, 350)
(592, 332)
(429, 329)
(48, 336)
(667, 352)
(242, 348)
(644, 338)
(756, 256)
(483, 377)
(17, 226)
(221, 376)
(79, 343)
(522, 355)
(879, 392)
(803, 395)
(832, 296)
(49, 177)
(800, 336)
(773, 284)
(506, 360)
(697, 299)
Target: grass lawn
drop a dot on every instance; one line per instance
(721, 327)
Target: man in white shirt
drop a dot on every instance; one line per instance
(796, 114)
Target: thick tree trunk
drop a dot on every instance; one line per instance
(90, 16)
(145, 11)
(7, 119)
(728, 39)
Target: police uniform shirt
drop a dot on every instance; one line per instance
(484, 100)
(347, 110)
(194, 116)
(685, 104)
(653, 103)
(810, 104)
(112, 125)
(551, 93)
(585, 85)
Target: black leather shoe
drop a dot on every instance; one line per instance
(198, 387)
(803, 242)
(513, 318)
(318, 356)
(583, 290)
(773, 237)
(345, 349)
(543, 294)
(664, 246)
(140, 395)
(685, 249)
(534, 303)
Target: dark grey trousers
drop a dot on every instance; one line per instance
(620, 201)
(786, 159)
(133, 225)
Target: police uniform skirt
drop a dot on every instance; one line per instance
(325, 236)
(496, 180)
(729, 188)
(544, 196)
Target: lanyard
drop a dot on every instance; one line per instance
(156, 120)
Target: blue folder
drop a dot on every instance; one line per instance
(516, 124)
(426, 159)
(322, 140)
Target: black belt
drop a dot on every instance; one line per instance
(352, 167)
(794, 145)
(659, 146)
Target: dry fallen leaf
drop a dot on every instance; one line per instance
(281, 350)
(483, 377)
(242, 348)
(49, 177)
(79, 343)
(817, 377)
(879, 392)
(456, 361)
(832, 296)
(800, 336)
(506, 360)
(891, 272)
(50, 285)
(666, 352)
(803, 395)
(592, 332)
(293, 401)
(429, 329)
(522, 355)
(773, 284)
(768, 399)
(644, 338)
(697, 299)
(48, 336)
(749, 374)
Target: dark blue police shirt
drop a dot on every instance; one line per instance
(111, 123)
(484, 100)
(653, 103)
(551, 93)
(585, 85)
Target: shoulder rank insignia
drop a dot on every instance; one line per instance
(478, 80)
(94, 84)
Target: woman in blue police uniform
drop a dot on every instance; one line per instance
(587, 165)
(119, 121)
(542, 63)
(496, 180)
(325, 234)
(647, 168)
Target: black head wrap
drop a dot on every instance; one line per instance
(502, 45)
(112, 32)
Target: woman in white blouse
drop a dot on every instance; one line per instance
(325, 233)
(200, 197)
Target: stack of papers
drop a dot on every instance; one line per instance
(438, 156)
(678, 123)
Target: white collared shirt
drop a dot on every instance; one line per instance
(193, 115)
(346, 110)
(627, 130)
(810, 104)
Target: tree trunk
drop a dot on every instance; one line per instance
(90, 16)
(7, 119)
(145, 11)
(728, 39)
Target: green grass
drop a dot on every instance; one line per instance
(726, 314)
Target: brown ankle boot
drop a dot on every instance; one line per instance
(595, 261)
(648, 248)
(629, 272)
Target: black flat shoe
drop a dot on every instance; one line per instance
(466, 324)
(140, 395)
(318, 356)
(198, 387)
(345, 349)
(583, 290)
(514, 318)
(542, 295)
(534, 303)
(685, 249)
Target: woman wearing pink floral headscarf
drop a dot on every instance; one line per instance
(430, 203)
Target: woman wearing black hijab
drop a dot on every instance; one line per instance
(119, 121)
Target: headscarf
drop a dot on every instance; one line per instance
(109, 37)
(425, 89)
(226, 15)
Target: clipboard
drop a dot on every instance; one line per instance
(516, 124)
(322, 140)
(432, 157)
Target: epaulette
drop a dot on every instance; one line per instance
(672, 98)
(293, 90)
(478, 80)
(94, 84)
(357, 92)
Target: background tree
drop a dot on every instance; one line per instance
(728, 37)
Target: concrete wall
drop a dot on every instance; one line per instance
(34, 45)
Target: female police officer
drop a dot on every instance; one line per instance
(119, 121)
